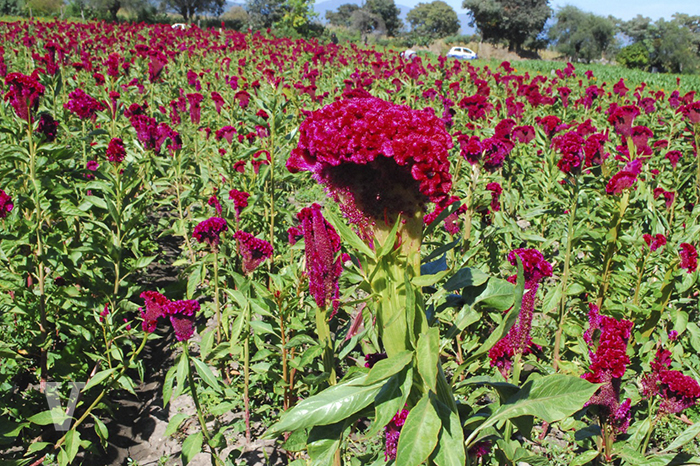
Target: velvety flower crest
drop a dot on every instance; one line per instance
(23, 94)
(392, 431)
(253, 250)
(155, 308)
(6, 204)
(209, 231)
(689, 257)
(654, 242)
(116, 151)
(83, 105)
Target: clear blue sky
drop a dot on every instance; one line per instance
(623, 9)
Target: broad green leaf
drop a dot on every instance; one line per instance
(450, 446)
(168, 385)
(99, 377)
(385, 368)
(427, 352)
(390, 400)
(348, 236)
(206, 374)
(72, 444)
(551, 398)
(36, 446)
(466, 277)
(174, 423)
(49, 417)
(100, 429)
(328, 407)
(419, 434)
(583, 458)
(324, 441)
(144, 261)
(191, 446)
(686, 437)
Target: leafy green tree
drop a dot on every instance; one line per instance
(634, 56)
(388, 12)
(11, 7)
(367, 22)
(188, 8)
(298, 16)
(264, 13)
(435, 20)
(342, 17)
(513, 21)
(236, 18)
(580, 35)
(674, 49)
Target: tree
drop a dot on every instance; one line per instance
(236, 18)
(388, 12)
(435, 20)
(580, 35)
(343, 15)
(297, 17)
(264, 13)
(188, 8)
(366, 22)
(674, 48)
(513, 21)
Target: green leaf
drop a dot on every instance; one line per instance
(419, 434)
(45, 418)
(144, 261)
(191, 446)
(450, 447)
(390, 400)
(168, 385)
(388, 245)
(583, 458)
(174, 423)
(206, 374)
(687, 436)
(72, 444)
(99, 377)
(324, 441)
(551, 398)
(427, 352)
(328, 407)
(385, 368)
(100, 430)
(348, 236)
(466, 277)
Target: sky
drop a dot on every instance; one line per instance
(623, 9)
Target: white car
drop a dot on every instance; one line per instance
(462, 53)
(408, 54)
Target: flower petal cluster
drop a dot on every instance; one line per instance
(625, 178)
(6, 204)
(253, 250)
(654, 242)
(47, 126)
(240, 200)
(116, 151)
(571, 146)
(689, 257)
(155, 308)
(209, 231)
(323, 262)
(375, 158)
(181, 314)
(392, 431)
(677, 391)
(622, 119)
(83, 105)
(23, 94)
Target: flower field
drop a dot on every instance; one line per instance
(376, 261)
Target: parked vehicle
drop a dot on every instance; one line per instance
(408, 54)
(462, 53)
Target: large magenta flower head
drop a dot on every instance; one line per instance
(48, 126)
(571, 146)
(323, 263)
(209, 231)
(6, 204)
(116, 151)
(240, 201)
(23, 94)
(195, 101)
(654, 242)
(677, 390)
(691, 112)
(622, 119)
(83, 105)
(182, 314)
(625, 178)
(155, 308)
(253, 250)
(689, 257)
(376, 158)
(392, 432)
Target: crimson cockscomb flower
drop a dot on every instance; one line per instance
(518, 339)
(470, 148)
(182, 314)
(676, 390)
(116, 151)
(227, 132)
(625, 178)
(619, 88)
(195, 101)
(495, 153)
(214, 202)
(157, 62)
(376, 158)
(689, 257)
(496, 191)
(654, 242)
(523, 134)
(6, 204)
(83, 105)
(155, 308)
(594, 149)
(550, 124)
(253, 250)
(608, 364)
(240, 200)
(323, 262)
(392, 432)
(218, 101)
(640, 137)
(691, 112)
(571, 146)
(622, 119)
(209, 231)
(23, 94)
(477, 106)
(48, 126)
(674, 157)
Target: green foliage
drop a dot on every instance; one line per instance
(343, 16)
(434, 20)
(511, 21)
(46, 8)
(581, 36)
(634, 56)
(388, 12)
(11, 7)
(189, 8)
(265, 13)
(236, 18)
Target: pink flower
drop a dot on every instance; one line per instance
(496, 192)
(47, 126)
(23, 94)
(477, 106)
(195, 101)
(253, 250)
(155, 308)
(550, 124)
(392, 431)
(523, 134)
(654, 242)
(689, 257)
(83, 105)
(375, 158)
(6, 204)
(691, 112)
(182, 314)
(240, 200)
(622, 119)
(470, 148)
(214, 202)
(571, 146)
(674, 156)
(323, 263)
(226, 132)
(619, 88)
(218, 101)
(209, 231)
(625, 178)
(495, 153)
(116, 151)
(677, 391)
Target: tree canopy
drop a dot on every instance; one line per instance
(343, 16)
(580, 35)
(388, 12)
(188, 8)
(435, 20)
(513, 21)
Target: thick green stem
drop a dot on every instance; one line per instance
(324, 337)
(564, 279)
(640, 275)
(647, 437)
(613, 235)
(216, 295)
(246, 370)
